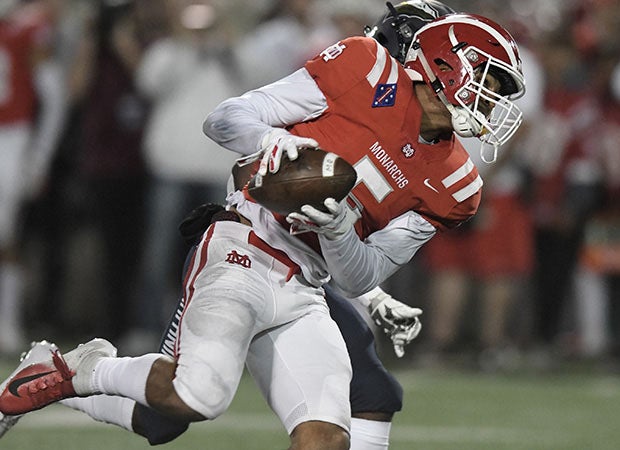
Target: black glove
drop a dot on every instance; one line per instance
(197, 221)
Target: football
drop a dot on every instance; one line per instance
(308, 180)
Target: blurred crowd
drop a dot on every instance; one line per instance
(108, 156)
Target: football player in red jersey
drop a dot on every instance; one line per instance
(269, 313)
(31, 113)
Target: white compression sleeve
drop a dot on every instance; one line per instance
(239, 123)
(358, 266)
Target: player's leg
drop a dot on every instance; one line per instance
(121, 411)
(215, 333)
(303, 371)
(124, 412)
(375, 394)
(107, 409)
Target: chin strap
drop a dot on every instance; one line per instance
(483, 153)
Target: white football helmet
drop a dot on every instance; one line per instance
(453, 55)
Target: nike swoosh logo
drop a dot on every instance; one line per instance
(428, 184)
(15, 384)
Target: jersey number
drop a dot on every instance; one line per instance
(372, 178)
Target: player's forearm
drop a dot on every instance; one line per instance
(239, 123)
(236, 126)
(358, 266)
(354, 266)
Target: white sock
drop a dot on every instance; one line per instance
(369, 434)
(124, 376)
(105, 408)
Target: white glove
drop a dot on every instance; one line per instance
(332, 224)
(399, 321)
(277, 142)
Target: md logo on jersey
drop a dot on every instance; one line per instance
(235, 258)
(333, 51)
(385, 95)
(408, 150)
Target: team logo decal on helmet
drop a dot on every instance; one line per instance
(455, 55)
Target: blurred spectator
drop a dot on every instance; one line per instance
(50, 217)
(597, 290)
(31, 117)
(285, 37)
(105, 191)
(185, 75)
(480, 272)
(566, 177)
(346, 18)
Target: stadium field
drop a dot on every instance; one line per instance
(443, 410)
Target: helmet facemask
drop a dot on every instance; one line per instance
(497, 126)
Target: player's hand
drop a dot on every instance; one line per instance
(399, 321)
(278, 142)
(332, 224)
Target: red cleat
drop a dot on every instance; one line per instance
(42, 378)
(38, 351)
(45, 376)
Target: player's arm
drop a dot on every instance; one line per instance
(256, 121)
(241, 123)
(358, 266)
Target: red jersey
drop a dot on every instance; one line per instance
(373, 121)
(22, 35)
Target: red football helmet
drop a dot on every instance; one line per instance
(453, 55)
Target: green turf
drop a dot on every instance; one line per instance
(443, 410)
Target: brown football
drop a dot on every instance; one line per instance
(308, 180)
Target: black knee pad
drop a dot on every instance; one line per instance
(373, 388)
(156, 428)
